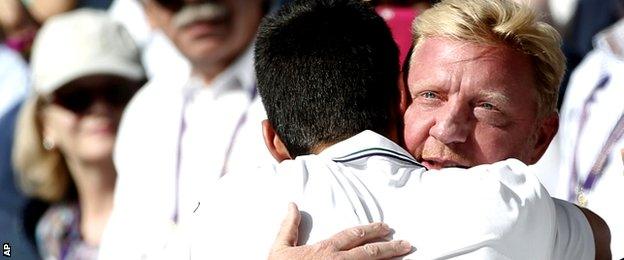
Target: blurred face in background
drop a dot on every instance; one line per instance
(473, 104)
(81, 118)
(208, 33)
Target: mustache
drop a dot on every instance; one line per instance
(448, 153)
(201, 12)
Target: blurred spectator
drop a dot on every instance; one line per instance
(85, 69)
(44, 9)
(159, 56)
(182, 133)
(590, 17)
(14, 82)
(20, 20)
(589, 144)
(17, 26)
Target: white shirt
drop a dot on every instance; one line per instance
(14, 79)
(605, 198)
(161, 167)
(497, 211)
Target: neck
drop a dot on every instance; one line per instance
(95, 184)
(209, 71)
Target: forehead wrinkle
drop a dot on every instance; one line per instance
(486, 52)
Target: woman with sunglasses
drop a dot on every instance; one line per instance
(85, 69)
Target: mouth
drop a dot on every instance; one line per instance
(101, 127)
(439, 163)
(199, 29)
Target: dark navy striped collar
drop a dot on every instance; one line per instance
(366, 144)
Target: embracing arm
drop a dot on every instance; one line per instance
(347, 244)
(602, 234)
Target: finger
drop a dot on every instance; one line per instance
(352, 237)
(289, 231)
(378, 250)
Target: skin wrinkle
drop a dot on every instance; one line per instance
(463, 99)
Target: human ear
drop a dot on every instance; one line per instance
(274, 143)
(545, 133)
(48, 134)
(404, 96)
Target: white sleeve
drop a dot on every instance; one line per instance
(239, 218)
(574, 239)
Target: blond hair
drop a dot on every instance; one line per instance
(505, 22)
(40, 173)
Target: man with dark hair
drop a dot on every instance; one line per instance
(349, 95)
(327, 73)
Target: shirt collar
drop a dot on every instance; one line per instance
(611, 40)
(239, 75)
(366, 143)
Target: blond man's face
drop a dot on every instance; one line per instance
(473, 104)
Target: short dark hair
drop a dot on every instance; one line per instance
(326, 70)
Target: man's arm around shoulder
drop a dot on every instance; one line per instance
(602, 234)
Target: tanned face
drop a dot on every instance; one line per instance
(209, 33)
(473, 104)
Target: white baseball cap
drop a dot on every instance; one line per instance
(81, 43)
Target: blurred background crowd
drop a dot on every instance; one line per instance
(68, 68)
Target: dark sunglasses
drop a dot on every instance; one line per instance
(173, 5)
(79, 99)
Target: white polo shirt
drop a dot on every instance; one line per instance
(497, 211)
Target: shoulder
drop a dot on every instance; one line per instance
(504, 200)
(601, 234)
(581, 234)
(245, 207)
(509, 177)
(57, 219)
(253, 189)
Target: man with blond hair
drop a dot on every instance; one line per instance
(484, 79)
(463, 95)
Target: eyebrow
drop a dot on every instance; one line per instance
(423, 84)
(494, 96)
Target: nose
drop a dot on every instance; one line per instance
(100, 107)
(453, 124)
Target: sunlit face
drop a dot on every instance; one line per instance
(473, 104)
(86, 132)
(208, 33)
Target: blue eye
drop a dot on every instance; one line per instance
(487, 106)
(429, 94)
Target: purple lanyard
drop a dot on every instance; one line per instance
(72, 235)
(601, 161)
(239, 124)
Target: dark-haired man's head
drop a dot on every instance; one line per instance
(326, 71)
